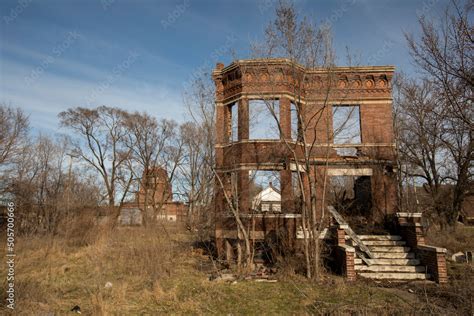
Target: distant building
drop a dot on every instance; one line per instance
(155, 187)
(130, 215)
(154, 195)
(268, 200)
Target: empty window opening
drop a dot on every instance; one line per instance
(263, 119)
(234, 122)
(346, 124)
(351, 195)
(265, 191)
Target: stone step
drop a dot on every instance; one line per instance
(407, 262)
(384, 242)
(394, 276)
(390, 249)
(389, 268)
(393, 255)
(380, 237)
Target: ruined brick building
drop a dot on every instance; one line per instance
(303, 103)
(155, 195)
(156, 184)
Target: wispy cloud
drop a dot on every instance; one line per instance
(54, 93)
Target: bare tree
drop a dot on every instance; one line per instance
(196, 179)
(199, 139)
(45, 187)
(13, 141)
(99, 140)
(444, 52)
(153, 144)
(421, 149)
(13, 133)
(304, 43)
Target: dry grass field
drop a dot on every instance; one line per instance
(155, 270)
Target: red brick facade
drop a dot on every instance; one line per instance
(314, 92)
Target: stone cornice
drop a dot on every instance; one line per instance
(318, 70)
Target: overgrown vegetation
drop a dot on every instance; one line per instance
(66, 254)
(156, 270)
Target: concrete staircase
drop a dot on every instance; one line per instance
(393, 260)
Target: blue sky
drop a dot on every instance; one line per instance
(138, 55)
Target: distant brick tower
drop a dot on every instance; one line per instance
(155, 185)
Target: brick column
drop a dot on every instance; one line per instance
(340, 236)
(287, 203)
(243, 120)
(349, 271)
(434, 259)
(220, 122)
(285, 117)
(345, 261)
(410, 228)
(243, 190)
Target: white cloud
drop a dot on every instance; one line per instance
(53, 93)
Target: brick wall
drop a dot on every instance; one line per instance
(434, 258)
(314, 91)
(411, 229)
(435, 261)
(344, 257)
